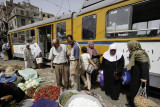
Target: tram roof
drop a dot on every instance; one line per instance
(90, 5)
(53, 19)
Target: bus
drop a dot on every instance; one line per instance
(104, 22)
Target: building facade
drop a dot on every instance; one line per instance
(45, 15)
(14, 15)
(21, 17)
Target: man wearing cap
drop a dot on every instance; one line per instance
(28, 57)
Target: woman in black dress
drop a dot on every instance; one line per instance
(113, 64)
(139, 68)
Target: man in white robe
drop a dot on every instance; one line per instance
(28, 57)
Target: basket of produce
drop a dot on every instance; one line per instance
(81, 100)
(140, 99)
(66, 95)
(29, 86)
(48, 91)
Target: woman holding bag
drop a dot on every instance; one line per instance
(37, 54)
(95, 56)
(139, 68)
(113, 64)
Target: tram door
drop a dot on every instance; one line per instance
(44, 40)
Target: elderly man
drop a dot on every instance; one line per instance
(59, 57)
(74, 59)
(28, 57)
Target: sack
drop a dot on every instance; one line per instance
(126, 79)
(90, 69)
(140, 99)
(101, 79)
(39, 60)
(28, 73)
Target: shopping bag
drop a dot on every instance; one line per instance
(90, 69)
(140, 99)
(39, 60)
(126, 79)
(101, 79)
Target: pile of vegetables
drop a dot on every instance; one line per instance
(48, 91)
(66, 98)
(141, 101)
(31, 83)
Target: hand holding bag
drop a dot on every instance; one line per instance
(140, 99)
(90, 69)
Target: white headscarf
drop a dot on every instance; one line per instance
(110, 57)
(4, 46)
(37, 50)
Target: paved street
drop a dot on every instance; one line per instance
(49, 78)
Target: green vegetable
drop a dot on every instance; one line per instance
(66, 98)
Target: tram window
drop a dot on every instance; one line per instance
(89, 27)
(61, 31)
(140, 26)
(14, 38)
(118, 20)
(146, 16)
(155, 25)
(30, 36)
(21, 37)
(145, 21)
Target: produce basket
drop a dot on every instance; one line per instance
(84, 96)
(65, 93)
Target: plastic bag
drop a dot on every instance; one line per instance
(140, 99)
(101, 79)
(39, 60)
(8, 78)
(126, 79)
(28, 73)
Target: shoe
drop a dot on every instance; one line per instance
(108, 97)
(62, 89)
(127, 105)
(86, 85)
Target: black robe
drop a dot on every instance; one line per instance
(139, 71)
(11, 89)
(111, 85)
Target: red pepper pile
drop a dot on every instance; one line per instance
(49, 92)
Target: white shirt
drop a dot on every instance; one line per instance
(84, 58)
(59, 55)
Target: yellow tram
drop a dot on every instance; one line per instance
(104, 22)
